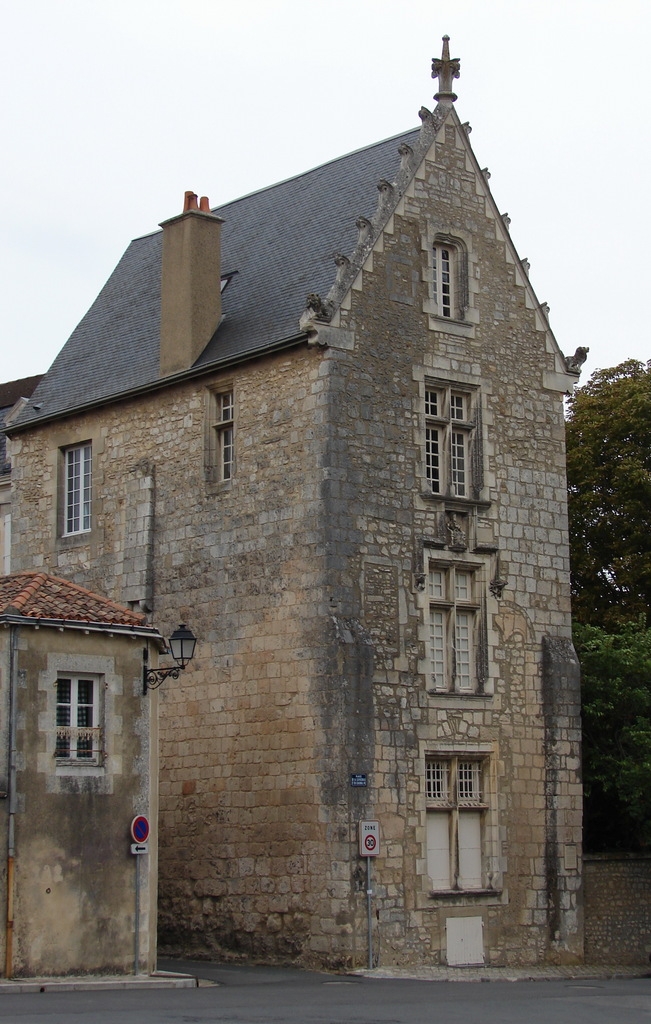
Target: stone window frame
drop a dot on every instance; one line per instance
(447, 435)
(449, 259)
(77, 489)
(462, 825)
(455, 617)
(451, 606)
(65, 436)
(436, 558)
(61, 775)
(79, 733)
(220, 434)
(464, 315)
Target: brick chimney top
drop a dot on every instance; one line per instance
(190, 203)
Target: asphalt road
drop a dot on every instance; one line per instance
(250, 995)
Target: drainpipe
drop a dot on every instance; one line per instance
(13, 711)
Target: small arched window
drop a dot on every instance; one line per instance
(443, 267)
(449, 279)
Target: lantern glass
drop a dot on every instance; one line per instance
(182, 645)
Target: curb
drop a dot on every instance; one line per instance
(597, 972)
(98, 984)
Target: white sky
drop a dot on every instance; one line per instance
(111, 109)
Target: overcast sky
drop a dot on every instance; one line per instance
(111, 109)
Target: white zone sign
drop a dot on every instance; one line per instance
(369, 838)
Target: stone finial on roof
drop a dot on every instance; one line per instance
(446, 70)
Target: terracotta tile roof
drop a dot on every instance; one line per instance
(37, 595)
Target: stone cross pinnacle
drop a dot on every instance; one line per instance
(445, 70)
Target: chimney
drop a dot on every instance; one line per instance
(191, 305)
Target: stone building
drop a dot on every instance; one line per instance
(78, 761)
(13, 396)
(348, 478)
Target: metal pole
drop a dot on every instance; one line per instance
(369, 893)
(136, 966)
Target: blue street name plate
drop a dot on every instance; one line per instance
(358, 779)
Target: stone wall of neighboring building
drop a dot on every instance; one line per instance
(66, 818)
(617, 908)
(13, 395)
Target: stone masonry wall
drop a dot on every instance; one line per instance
(617, 908)
(244, 857)
(304, 579)
(379, 521)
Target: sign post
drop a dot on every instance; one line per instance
(369, 847)
(140, 835)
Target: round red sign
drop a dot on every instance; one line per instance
(140, 829)
(370, 842)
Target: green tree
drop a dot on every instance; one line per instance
(609, 481)
(616, 699)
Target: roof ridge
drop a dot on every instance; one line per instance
(40, 579)
(295, 177)
(95, 596)
(30, 589)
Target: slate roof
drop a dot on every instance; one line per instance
(280, 242)
(15, 389)
(37, 595)
(9, 395)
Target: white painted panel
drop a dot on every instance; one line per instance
(470, 850)
(438, 849)
(465, 941)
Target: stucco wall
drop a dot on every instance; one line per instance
(74, 895)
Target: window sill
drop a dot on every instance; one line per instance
(447, 894)
(451, 503)
(76, 773)
(451, 320)
(73, 540)
(79, 762)
(459, 696)
(446, 325)
(432, 805)
(215, 486)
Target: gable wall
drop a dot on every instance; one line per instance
(530, 723)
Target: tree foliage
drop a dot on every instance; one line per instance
(609, 481)
(616, 698)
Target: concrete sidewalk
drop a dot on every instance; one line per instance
(544, 973)
(168, 979)
(98, 983)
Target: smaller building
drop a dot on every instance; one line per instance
(78, 761)
(13, 396)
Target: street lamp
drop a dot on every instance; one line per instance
(181, 646)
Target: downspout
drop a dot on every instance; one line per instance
(11, 838)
